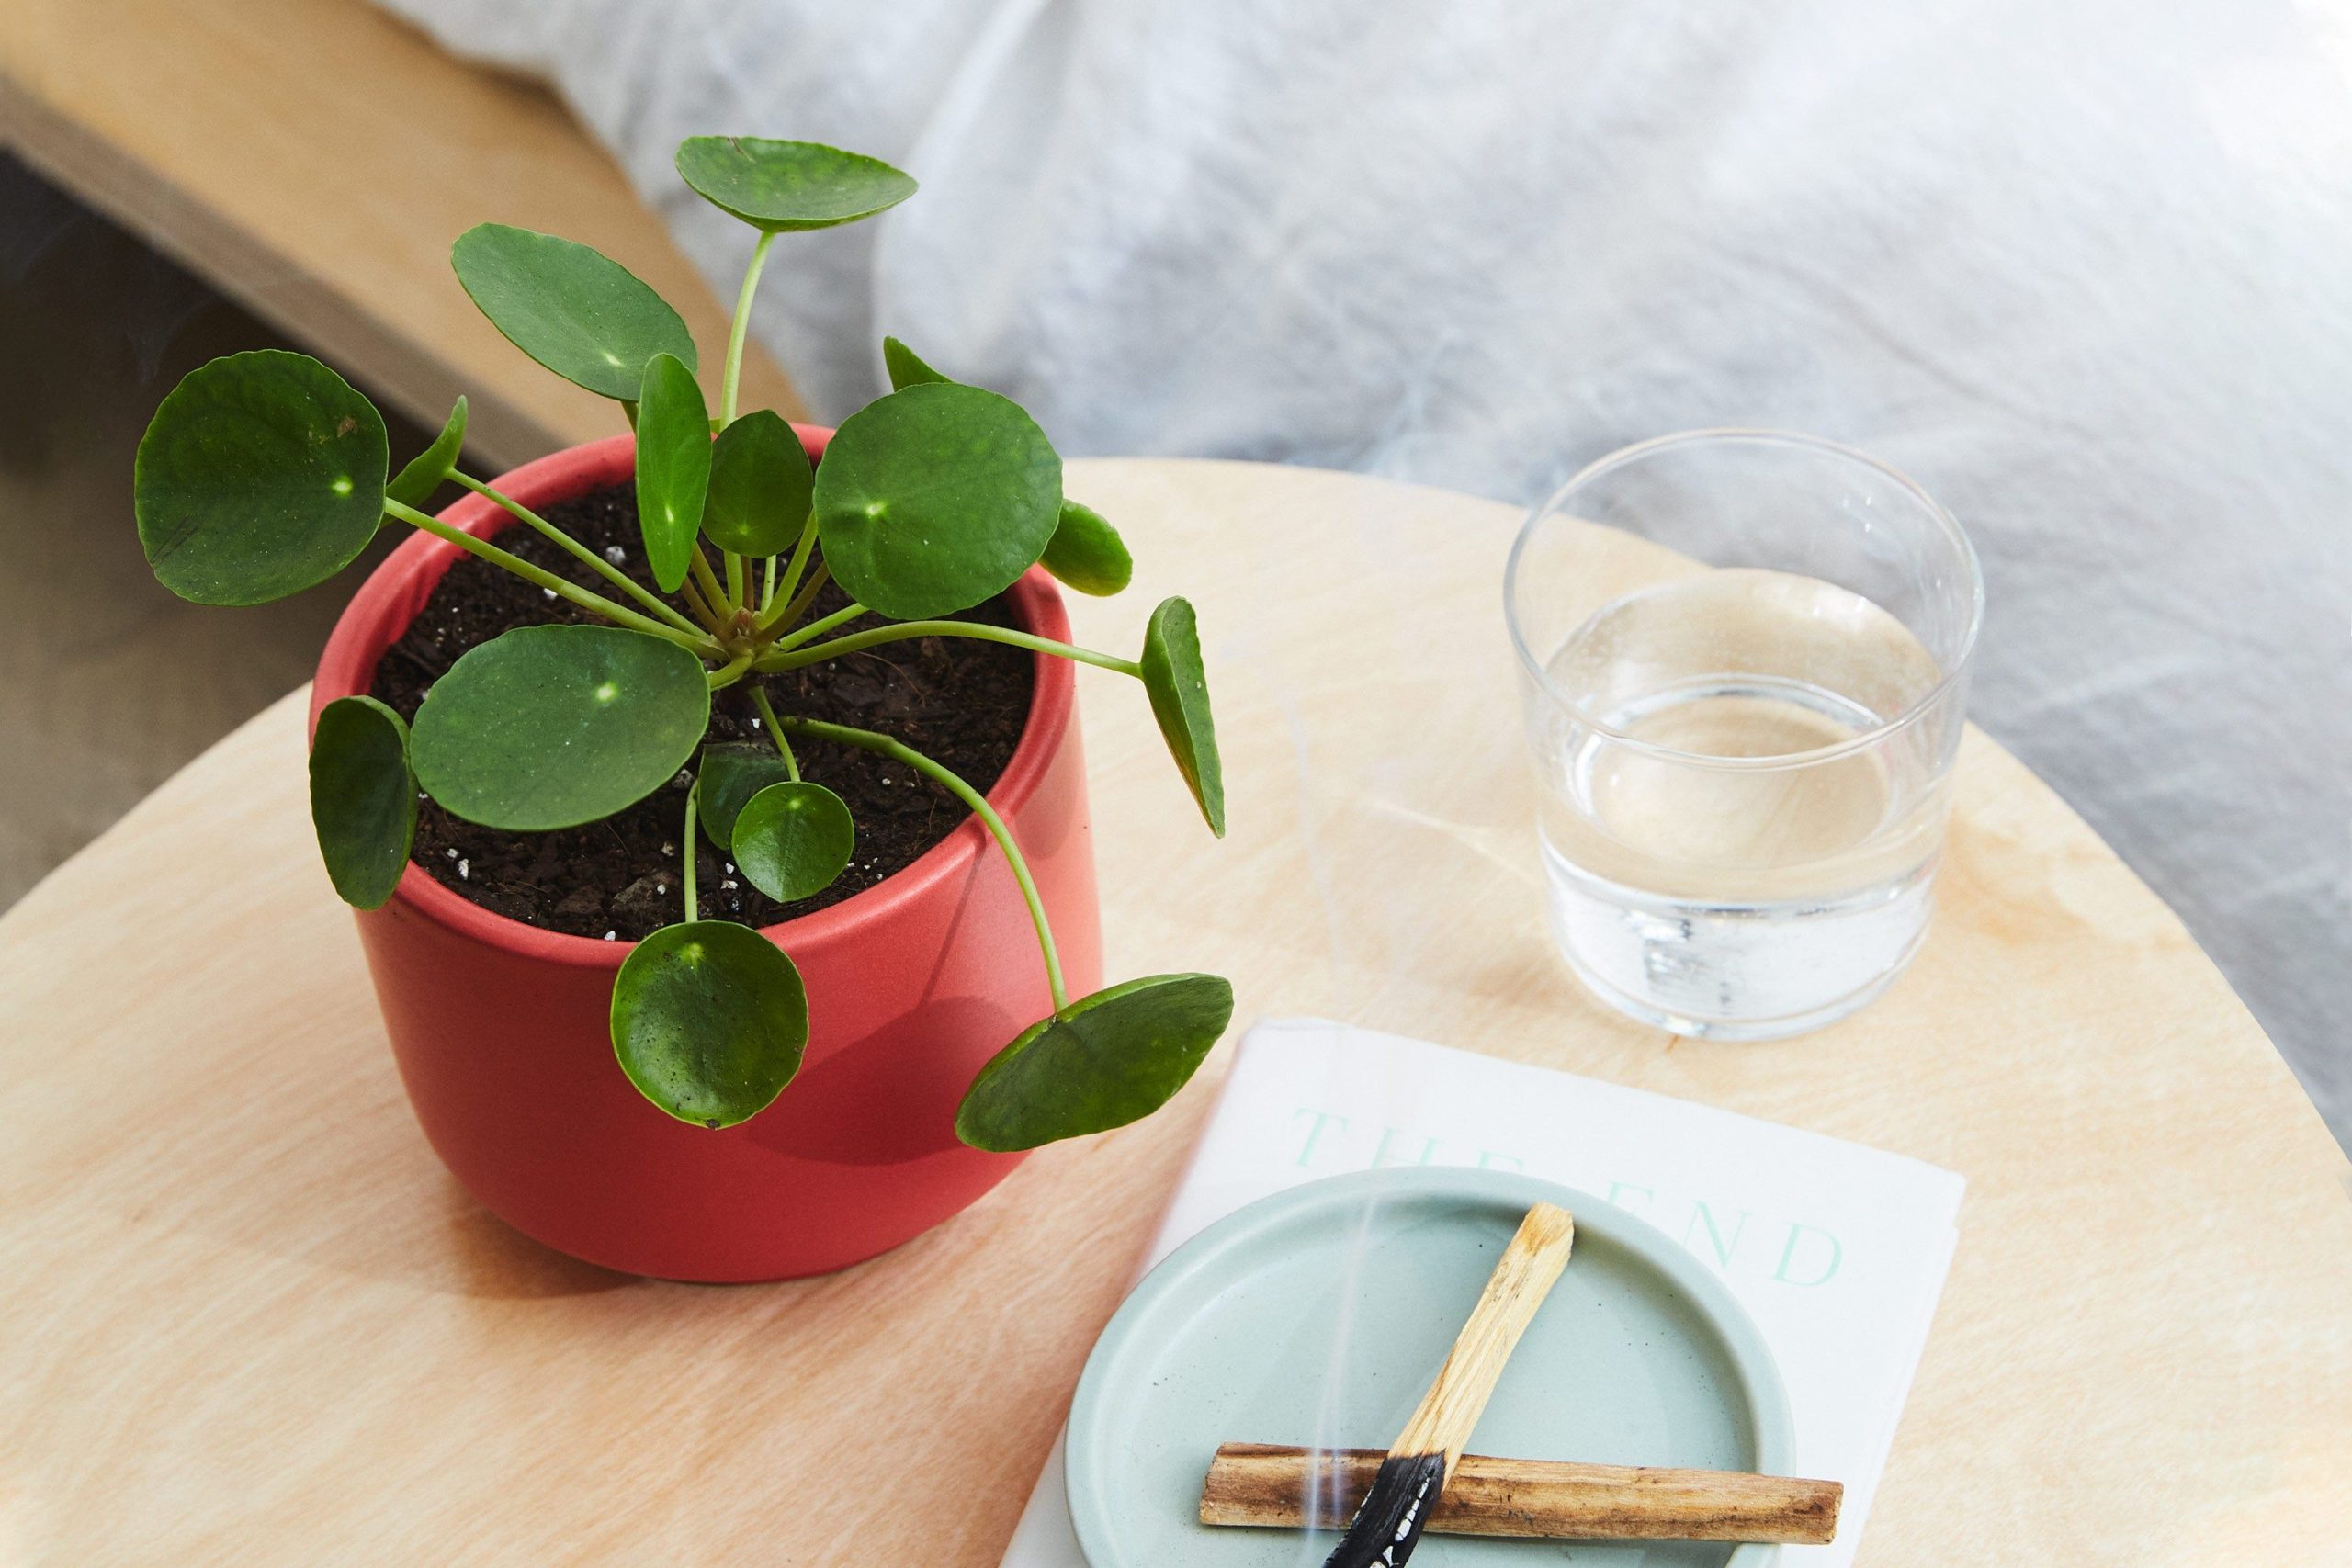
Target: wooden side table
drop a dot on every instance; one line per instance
(249, 1318)
(313, 159)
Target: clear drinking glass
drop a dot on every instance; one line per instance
(1745, 660)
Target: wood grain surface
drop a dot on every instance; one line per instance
(249, 1320)
(313, 159)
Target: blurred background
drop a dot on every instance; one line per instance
(2082, 270)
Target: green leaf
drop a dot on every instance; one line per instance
(550, 727)
(574, 309)
(793, 838)
(1103, 1062)
(709, 1019)
(426, 471)
(905, 367)
(1087, 552)
(784, 186)
(1179, 690)
(261, 475)
(932, 498)
(760, 484)
(673, 466)
(730, 774)
(362, 798)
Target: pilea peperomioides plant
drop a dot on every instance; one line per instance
(264, 473)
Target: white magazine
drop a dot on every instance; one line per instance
(1838, 1251)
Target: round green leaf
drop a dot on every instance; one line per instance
(905, 367)
(574, 309)
(932, 498)
(673, 466)
(362, 798)
(1179, 690)
(709, 1019)
(1087, 552)
(1103, 1062)
(782, 186)
(550, 727)
(427, 470)
(731, 773)
(793, 838)
(261, 475)
(760, 484)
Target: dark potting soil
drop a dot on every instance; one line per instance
(958, 700)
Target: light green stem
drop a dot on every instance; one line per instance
(686, 848)
(868, 741)
(594, 603)
(721, 602)
(735, 582)
(784, 747)
(849, 612)
(899, 633)
(692, 593)
(800, 554)
(804, 599)
(767, 591)
(730, 672)
(601, 567)
(741, 328)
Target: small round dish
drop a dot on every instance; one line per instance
(1319, 1315)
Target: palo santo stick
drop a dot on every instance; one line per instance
(1262, 1485)
(1421, 1462)
(1524, 1275)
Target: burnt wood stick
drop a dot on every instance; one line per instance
(1421, 1461)
(1524, 1275)
(1275, 1487)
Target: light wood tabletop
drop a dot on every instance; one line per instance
(248, 1318)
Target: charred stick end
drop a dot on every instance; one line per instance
(1421, 1461)
(1388, 1525)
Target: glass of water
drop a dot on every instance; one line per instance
(1745, 660)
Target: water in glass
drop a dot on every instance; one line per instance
(1788, 881)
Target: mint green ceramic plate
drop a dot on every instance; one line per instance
(1319, 1315)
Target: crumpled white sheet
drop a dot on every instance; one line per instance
(2082, 269)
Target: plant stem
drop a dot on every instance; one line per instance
(602, 568)
(595, 603)
(784, 747)
(904, 630)
(729, 672)
(800, 554)
(735, 584)
(818, 628)
(868, 741)
(767, 592)
(700, 606)
(805, 597)
(686, 853)
(743, 325)
(700, 564)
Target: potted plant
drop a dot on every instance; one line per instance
(713, 1099)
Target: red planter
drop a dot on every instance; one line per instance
(500, 1028)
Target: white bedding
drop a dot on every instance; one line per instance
(2084, 268)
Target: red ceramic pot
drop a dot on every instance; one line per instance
(501, 1029)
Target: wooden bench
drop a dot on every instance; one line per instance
(313, 159)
